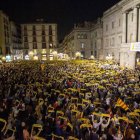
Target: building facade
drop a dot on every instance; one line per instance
(121, 27)
(16, 43)
(5, 41)
(77, 44)
(109, 37)
(96, 33)
(39, 40)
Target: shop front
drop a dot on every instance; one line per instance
(51, 56)
(8, 58)
(44, 57)
(35, 57)
(18, 57)
(27, 57)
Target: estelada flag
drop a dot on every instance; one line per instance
(122, 104)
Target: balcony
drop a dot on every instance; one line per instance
(26, 47)
(17, 48)
(34, 47)
(34, 40)
(43, 33)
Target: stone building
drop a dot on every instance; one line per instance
(96, 33)
(39, 40)
(121, 27)
(109, 37)
(82, 41)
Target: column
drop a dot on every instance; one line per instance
(55, 55)
(122, 59)
(124, 28)
(132, 60)
(135, 18)
(139, 25)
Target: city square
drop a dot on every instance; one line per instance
(78, 81)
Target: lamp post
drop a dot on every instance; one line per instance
(3, 59)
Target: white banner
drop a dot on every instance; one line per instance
(135, 46)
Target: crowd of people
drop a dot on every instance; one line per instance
(68, 101)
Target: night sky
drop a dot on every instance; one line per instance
(63, 12)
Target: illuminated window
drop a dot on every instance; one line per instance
(82, 45)
(78, 36)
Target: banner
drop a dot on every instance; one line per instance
(135, 46)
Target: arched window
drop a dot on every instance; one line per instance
(82, 36)
(78, 36)
(85, 36)
(82, 54)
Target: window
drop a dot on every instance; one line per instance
(34, 27)
(25, 33)
(50, 32)
(43, 27)
(120, 22)
(85, 36)
(113, 56)
(91, 46)
(25, 39)
(25, 27)
(50, 27)
(95, 34)
(82, 36)
(106, 27)
(82, 45)
(132, 17)
(72, 46)
(26, 46)
(34, 39)
(91, 52)
(95, 54)
(78, 36)
(34, 32)
(43, 45)
(50, 45)
(5, 33)
(34, 45)
(50, 38)
(82, 54)
(95, 45)
(120, 39)
(7, 50)
(106, 42)
(43, 32)
(43, 39)
(113, 42)
(112, 25)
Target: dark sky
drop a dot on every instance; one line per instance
(63, 12)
